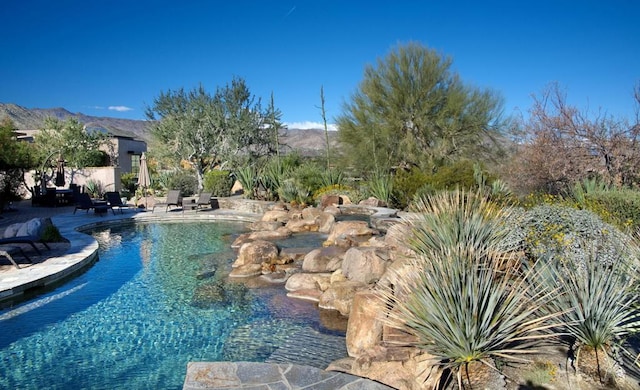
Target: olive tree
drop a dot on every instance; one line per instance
(208, 131)
(70, 140)
(412, 108)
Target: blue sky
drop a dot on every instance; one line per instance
(113, 57)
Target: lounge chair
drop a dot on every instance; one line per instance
(115, 202)
(84, 202)
(7, 251)
(31, 240)
(173, 199)
(203, 200)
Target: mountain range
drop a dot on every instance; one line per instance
(309, 142)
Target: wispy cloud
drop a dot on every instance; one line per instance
(120, 108)
(311, 125)
(290, 12)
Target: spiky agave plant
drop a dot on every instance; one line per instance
(599, 297)
(464, 300)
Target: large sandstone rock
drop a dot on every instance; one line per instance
(275, 216)
(372, 202)
(305, 281)
(265, 225)
(417, 373)
(326, 222)
(339, 296)
(278, 234)
(251, 256)
(326, 259)
(365, 265)
(302, 225)
(349, 233)
(364, 329)
(330, 200)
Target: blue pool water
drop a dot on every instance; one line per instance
(157, 298)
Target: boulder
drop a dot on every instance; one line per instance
(294, 254)
(372, 202)
(255, 253)
(339, 296)
(349, 233)
(364, 329)
(330, 200)
(311, 213)
(326, 222)
(275, 216)
(365, 265)
(278, 234)
(265, 225)
(305, 281)
(246, 271)
(333, 210)
(302, 225)
(417, 373)
(326, 259)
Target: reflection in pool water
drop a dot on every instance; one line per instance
(157, 299)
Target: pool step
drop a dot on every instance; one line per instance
(310, 348)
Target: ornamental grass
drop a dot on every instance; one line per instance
(464, 298)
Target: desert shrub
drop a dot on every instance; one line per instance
(460, 174)
(460, 297)
(568, 235)
(218, 182)
(308, 177)
(129, 182)
(184, 181)
(352, 193)
(620, 207)
(406, 185)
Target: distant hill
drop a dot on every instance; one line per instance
(307, 142)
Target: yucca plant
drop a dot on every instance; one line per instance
(464, 299)
(380, 186)
(248, 178)
(599, 299)
(332, 177)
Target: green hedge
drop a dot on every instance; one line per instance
(218, 182)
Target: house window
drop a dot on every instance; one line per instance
(135, 164)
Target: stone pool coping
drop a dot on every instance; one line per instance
(248, 375)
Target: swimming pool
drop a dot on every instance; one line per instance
(157, 299)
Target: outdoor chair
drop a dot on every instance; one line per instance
(115, 202)
(31, 240)
(7, 251)
(173, 199)
(204, 200)
(84, 202)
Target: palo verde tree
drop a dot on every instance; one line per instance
(71, 140)
(411, 108)
(207, 131)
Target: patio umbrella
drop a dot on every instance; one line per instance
(144, 180)
(60, 173)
